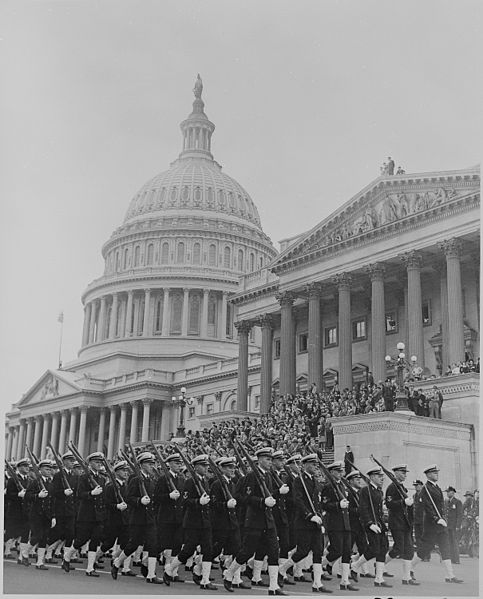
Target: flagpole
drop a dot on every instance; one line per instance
(61, 320)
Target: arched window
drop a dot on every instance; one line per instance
(194, 315)
(117, 261)
(212, 316)
(158, 315)
(212, 255)
(150, 255)
(137, 255)
(252, 262)
(176, 313)
(233, 405)
(261, 262)
(227, 257)
(124, 260)
(165, 253)
(241, 261)
(197, 253)
(180, 252)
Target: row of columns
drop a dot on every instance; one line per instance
(125, 316)
(59, 428)
(452, 327)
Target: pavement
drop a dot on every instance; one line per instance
(22, 580)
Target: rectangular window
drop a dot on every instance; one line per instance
(391, 322)
(191, 413)
(426, 313)
(359, 329)
(276, 348)
(330, 336)
(209, 408)
(303, 342)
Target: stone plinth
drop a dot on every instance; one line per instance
(395, 438)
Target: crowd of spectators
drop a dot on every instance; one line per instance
(465, 367)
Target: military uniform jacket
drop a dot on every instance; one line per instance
(195, 514)
(368, 494)
(64, 506)
(91, 507)
(431, 516)
(354, 520)
(280, 509)
(258, 515)
(418, 509)
(241, 499)
(41, 509)
(453, 509)
(337, 518)
(116, 518)
(139, 514)
(222, 517)
(17, 507)
(303, 509)
(169, 511)
(400, 515)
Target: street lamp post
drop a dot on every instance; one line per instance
(401, 365)
(182, 403)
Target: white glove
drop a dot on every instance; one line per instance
(21, 493)
(344, 504)
(270, 501)
(375, 528)
(68, 492)
(43, 493)
(284, 489)
(52, 524)
(174, 494)
(442, 522)
(121, 506)
(204, 499)
(317, 520)
(231, 503)
(409, 501)
(96, 490)
(146, 500)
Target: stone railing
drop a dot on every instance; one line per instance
(453, 386)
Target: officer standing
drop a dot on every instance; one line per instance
(453, 509)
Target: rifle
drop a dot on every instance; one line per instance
(290, 473)
(127, 459)
(367, 480)
(263, 486)
(307, 494)
(164, 468)
(189, 467)
(434, 505)
(241, 464)
(60, 466)
(13, 476)
(224, 488)
(112, 477)
(397, 484)
(138, 472)
(35, 469)
(336, 489)
(83, 464)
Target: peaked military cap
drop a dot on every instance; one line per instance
(278, 454)
(450, 489)
(200, 459)
(45, 464)
(294, 458)
(68, 455)
(403, 467)
(336, 466)
(418, 482)
(311, 458)
(76, 464)
(174, 457)
(468, 494)
(97, 455)
(264, 451)
(120, 465)
(146, 456)
(431, 468)
(23, 462)
(354, 474)
(227, 461)
(375, 470)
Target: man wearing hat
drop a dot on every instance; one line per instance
(41, 515)
(399, 506)
(197, 528)
(453, 510)
(308, 522)
(280, 510)
(168, 496)
(16, 516)
(358, 534)
(435, 531)
(142, 519)
(372, 520)
(418, 514)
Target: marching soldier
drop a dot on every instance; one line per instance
(454, 517)
(358, 535)
(371, 514)
(401, 523)
(418, 514)
(293, 465)
(435, 531)
(280, 510)
(16, 517)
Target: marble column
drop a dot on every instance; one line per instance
(147, 313)
(87, 318)
(28, 437)
(122, 426)
(63, 431)
(378, 322)
(204, 313)
(146, 412)
(134, 422)
(166, 416)
(343, 282)
(82, 429)
(128, 328)
(224, 300)
(92, 322)
(184, 319)
(55, 430)
(113, 321)
(166, 312)
(314, 341)
(243, 328)
(102, 429)
(101, 329)
(73, 425)
(456, 333)
(287, 344)
(443, 287)
(112, 432)
(8, 451)
(412, 261)
(266, 324)
(15, 442)
(37, 432)
(21, 440)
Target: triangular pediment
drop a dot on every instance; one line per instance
(384, 202)
(52, 384)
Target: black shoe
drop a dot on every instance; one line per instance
(259, 583)
(128, 573)
(136, 564)
(114, 571)
(228, 585)
(154, 580)
(348, 587)
(25, 561)
(454, 579)
(353, 576)
(388, 575)
(66, 566)
(41, 567)
(411, 582)
(197, 578)
(208, 587)
(167, 579)
(339, 576)
(50, 560)
(277, 592)
(367, 575)
(241, 585)
(412, 575)
(93, 573)
(144, 570)
(321, 590)
(188, 568)
(325, 577)
(300, 579)
(383, 584)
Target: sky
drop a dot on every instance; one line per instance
(308, 98)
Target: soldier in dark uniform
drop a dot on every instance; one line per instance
(400, 523)
(142, 519)
(358, 534)
(260, 533)
(418, 513)
(453, 509)
(91, 515)
(196, 527)
(16, 516)
(170, 509)
(308, 522)
(41, 514)
(372, 520)
(435, 531)
(293, 465)
(280, 510)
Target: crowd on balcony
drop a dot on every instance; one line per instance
(465, 367)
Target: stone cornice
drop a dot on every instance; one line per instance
(241, 298)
